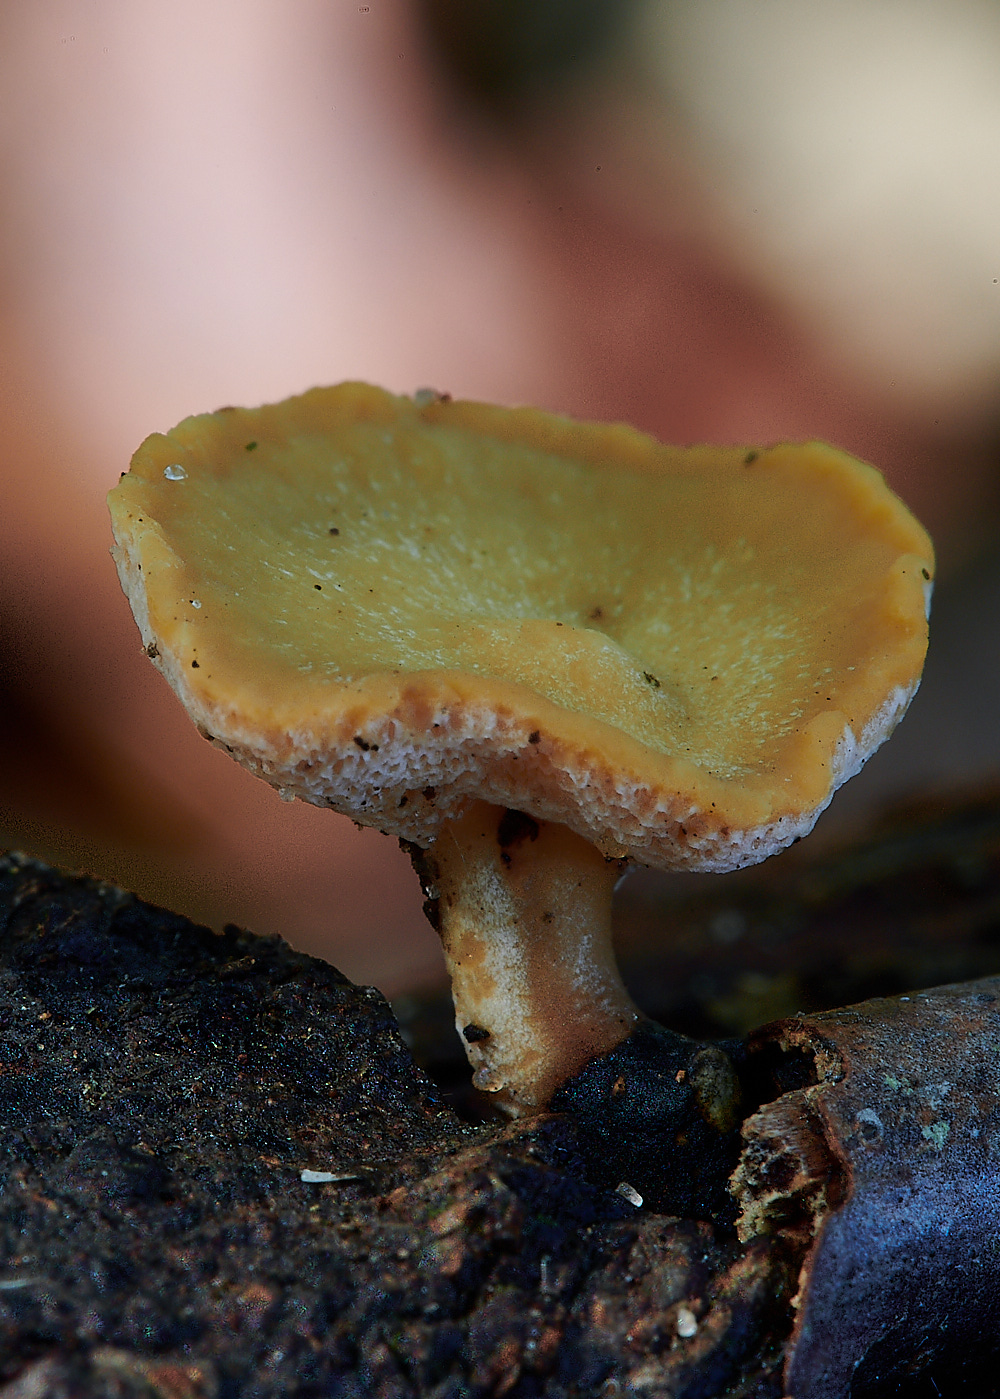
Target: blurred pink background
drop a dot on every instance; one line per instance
(732, 222)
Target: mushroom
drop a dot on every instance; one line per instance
(533, 649)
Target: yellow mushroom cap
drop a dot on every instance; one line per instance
(393, 606)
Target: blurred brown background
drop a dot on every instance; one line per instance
(728, 222)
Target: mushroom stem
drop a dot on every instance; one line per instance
(523, 909)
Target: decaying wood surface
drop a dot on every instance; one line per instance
(163, 1089)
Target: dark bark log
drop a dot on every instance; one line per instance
(886, 1171)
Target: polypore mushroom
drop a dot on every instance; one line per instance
(533, 649)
